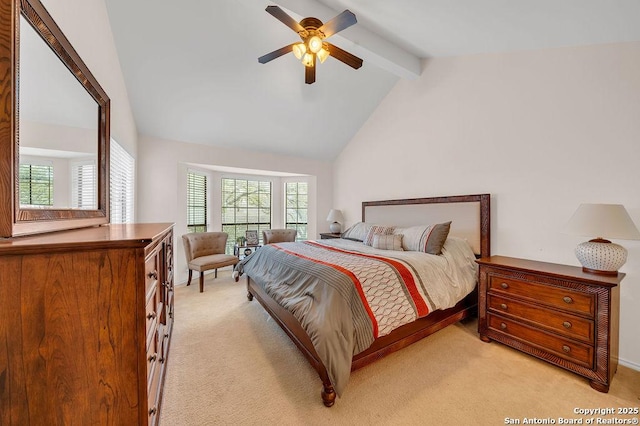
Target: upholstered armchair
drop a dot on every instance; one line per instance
(205, 251)
(278, 235)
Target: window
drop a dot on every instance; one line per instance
(246, 205)
(122, 183)
(36, 185)
(196, 202)
(84, 185)
(296, 205)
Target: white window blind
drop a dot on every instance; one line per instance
(84, 185)
(121, 190)
(196, 202)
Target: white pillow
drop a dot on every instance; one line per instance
(356, 232)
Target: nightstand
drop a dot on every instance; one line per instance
(243, 251)
(557, 313)
(329, 235)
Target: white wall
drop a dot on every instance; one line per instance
(86, 24)
(542, 131)
(162, 182)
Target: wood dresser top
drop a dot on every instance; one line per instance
(105, 236)
(552, 269)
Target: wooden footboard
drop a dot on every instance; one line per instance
(394, 341)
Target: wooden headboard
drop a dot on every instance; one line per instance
(469, 215)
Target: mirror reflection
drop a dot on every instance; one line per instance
(58, 124)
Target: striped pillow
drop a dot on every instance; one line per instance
(387, 242)
(377, 230)
(425, 238)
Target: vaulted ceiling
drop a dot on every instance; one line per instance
(192, 73)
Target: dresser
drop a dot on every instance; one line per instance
(85, 323)
(557, 313)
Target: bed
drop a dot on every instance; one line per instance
(346, 303)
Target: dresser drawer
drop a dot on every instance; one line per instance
(152, 312)
(151, 273)
(568, 325)
(564, 348)
(153, 364)
(153, 391)
(557, 297)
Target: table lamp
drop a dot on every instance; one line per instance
(599, 255)
(335, 217)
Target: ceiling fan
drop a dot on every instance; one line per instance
(313, 47)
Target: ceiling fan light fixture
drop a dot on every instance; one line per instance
(313, 32)
(299, 50)
(307, 59)
(315, 44)
(323, 54)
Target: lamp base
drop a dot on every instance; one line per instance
(597, 272)
(601, 257)
(335, 228)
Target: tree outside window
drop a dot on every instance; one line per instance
(296, 207)
(246, 205)
(36, 185)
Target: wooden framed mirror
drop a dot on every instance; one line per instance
(54, 128)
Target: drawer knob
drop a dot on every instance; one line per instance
(153, 274)
(566, 324)
(503, 306)
(151, 315)
(503, 326)
(504, 285)
(566, 348)
(153, 357)
(567, 299)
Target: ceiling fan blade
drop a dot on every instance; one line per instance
(344, 56)
(283, 17)
(275, 54)
(310, 73)
(339, 23)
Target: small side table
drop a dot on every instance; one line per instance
(243, 251)
(329, 235)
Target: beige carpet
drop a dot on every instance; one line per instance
(231, 364)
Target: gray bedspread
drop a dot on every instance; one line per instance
(340, 292)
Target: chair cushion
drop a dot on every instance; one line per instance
(213, 261)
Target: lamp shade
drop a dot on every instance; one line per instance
(599, 255)
(335, 217)
(604, 221)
